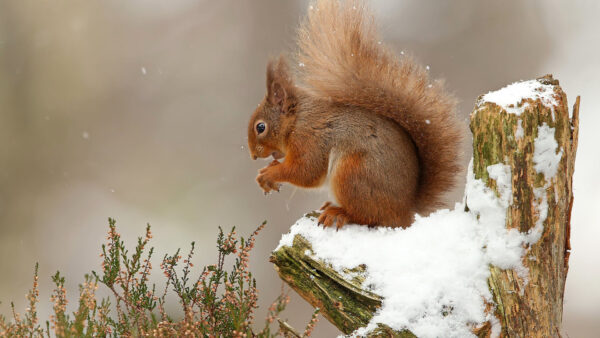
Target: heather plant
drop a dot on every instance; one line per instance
(219, 302)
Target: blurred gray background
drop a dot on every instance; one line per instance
(138, 109)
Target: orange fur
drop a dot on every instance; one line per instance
(387, 138)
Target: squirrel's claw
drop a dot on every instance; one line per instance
(268, 186)
(331, 215)
(325, 220)
(275, 186)
(266, 183)
(341, 221)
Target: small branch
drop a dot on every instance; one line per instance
(287, 330)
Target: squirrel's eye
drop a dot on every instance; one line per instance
(260, 127)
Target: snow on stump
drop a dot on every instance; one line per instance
(495, 265)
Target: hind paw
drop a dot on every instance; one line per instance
(325, 205)
(331, 215)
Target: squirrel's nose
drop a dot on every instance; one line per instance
(254, 157)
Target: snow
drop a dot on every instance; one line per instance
(438, 265)
(520, 132)
(496, 327)
(545, 157)
(511, 96)
(501, 174)
(546, 160)
(417, 285)
(542, 211)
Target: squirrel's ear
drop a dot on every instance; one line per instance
(280, 89)
(278, 94)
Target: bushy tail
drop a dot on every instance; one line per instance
(341, 59)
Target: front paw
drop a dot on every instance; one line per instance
(272, 164)
(266, 180)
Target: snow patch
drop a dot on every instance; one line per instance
(545, 157)
(520, 132)
(501, 174)
(535, 233)
(546, 160)
(433, 275)
(511, 96)
(496, 327)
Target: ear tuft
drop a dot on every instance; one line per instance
(279, 94)
(280, 87)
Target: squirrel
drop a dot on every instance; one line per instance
(384, 137)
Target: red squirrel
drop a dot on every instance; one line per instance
(371, 125)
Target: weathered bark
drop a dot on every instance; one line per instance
(524, 308)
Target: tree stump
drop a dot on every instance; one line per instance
(541, 200)
(533, 307)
